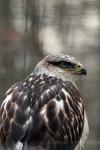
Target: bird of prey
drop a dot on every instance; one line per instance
(45, 111)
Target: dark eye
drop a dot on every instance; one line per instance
(65, 64)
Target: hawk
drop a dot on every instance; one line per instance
(45, 111)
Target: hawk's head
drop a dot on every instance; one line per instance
(61, 66)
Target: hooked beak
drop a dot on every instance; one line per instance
(82, 71)
(77, 69)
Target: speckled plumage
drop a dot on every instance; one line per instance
(41, 112)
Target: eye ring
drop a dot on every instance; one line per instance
(64, 64)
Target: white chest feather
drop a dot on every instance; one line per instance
(85, 133)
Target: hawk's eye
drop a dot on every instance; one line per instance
(65, 64)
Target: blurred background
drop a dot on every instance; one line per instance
(29, 30)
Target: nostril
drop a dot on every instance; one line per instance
(78, 66)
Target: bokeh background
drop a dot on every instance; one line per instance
(31, 29)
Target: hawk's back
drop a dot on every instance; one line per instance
(41, 111)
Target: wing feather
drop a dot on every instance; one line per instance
(42, 110)
(15, 114)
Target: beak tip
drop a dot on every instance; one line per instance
(84, 72)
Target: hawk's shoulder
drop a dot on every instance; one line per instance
(14, 114)
(41, 105)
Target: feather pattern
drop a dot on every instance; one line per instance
(41, 112)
